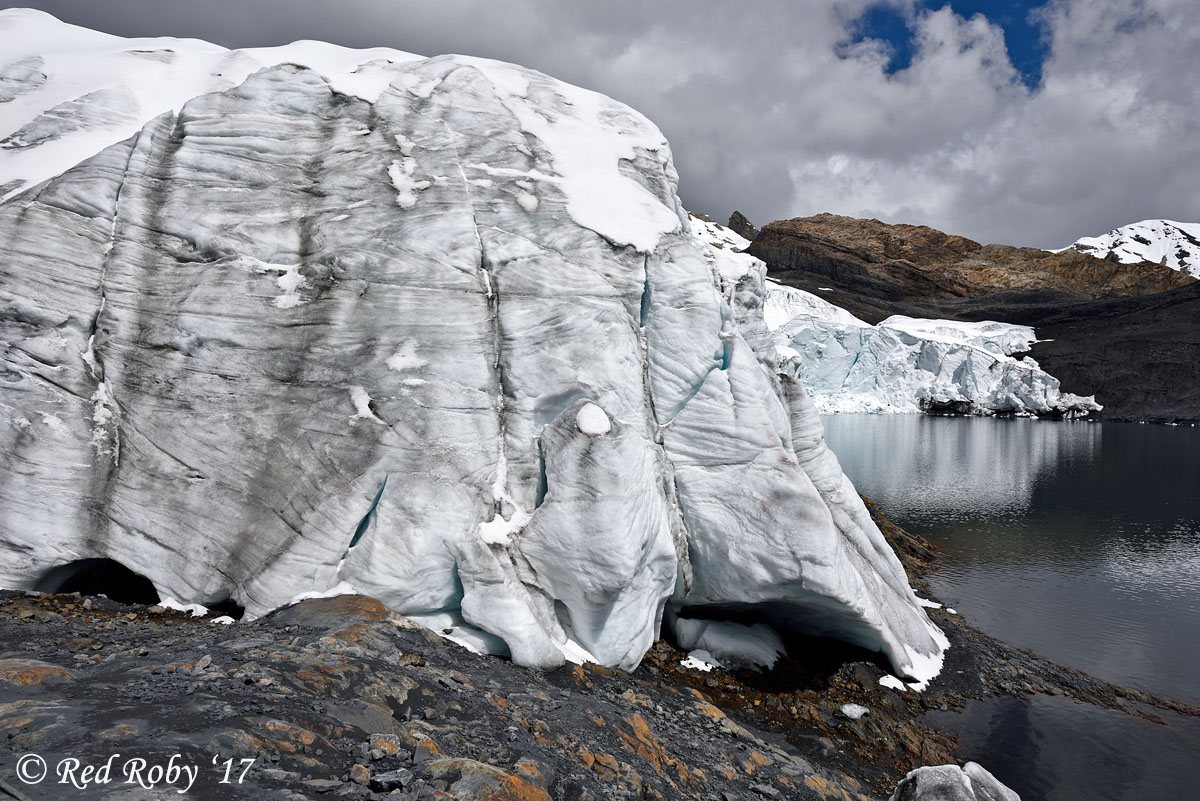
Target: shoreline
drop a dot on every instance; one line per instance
(328, 695)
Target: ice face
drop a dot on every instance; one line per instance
(291, 339)
(902, 365)
(905, 365)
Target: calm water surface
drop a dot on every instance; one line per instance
(1080, 541)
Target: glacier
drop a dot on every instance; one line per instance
(902, 365)
(432, 329)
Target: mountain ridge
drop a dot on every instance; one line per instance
(917, 263)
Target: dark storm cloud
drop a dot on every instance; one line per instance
(771, 107)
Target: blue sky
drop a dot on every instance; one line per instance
(1024, 31)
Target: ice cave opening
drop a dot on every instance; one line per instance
(99, 577)
(226, 606)
(809, 655)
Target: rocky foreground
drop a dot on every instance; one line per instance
(341, 698)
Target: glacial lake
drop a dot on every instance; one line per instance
(1077, 540)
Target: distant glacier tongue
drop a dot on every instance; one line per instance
(455, 347)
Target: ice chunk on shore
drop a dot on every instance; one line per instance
(971, 782)
(732, 645)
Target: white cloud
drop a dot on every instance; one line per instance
(770, 109)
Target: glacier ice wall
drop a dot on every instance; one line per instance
(454, 346)
(903, 364)
(906, 364)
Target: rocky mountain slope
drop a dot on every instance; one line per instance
(1124, 333)
(432, 329)
(1172, 244)
(917, 263)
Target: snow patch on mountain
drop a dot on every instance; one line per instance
(1173, 244)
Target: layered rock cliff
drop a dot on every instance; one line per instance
(921, 264)
(442, 336)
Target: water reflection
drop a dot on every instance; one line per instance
(932, 466)
(1055, 749)
(1078, 540)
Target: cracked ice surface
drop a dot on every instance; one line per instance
(902, 365)
(538, 424)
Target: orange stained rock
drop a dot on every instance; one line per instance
(637, 737)
(580, 676)
(322, 674)
(359, 774)
(603, 765)
(530, 771)
(242, 743)
(387, 743)
(350, 635)
(710, 710)
(358, 606)
(828, 790)
(422, 740)
(539, 729)
(474, 781)
(24, 672)
(294, 734)
(755, 761)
